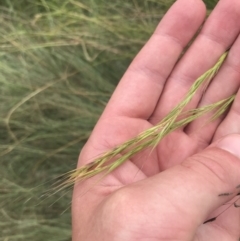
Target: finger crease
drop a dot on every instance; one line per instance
(170, 38)
(216, 40)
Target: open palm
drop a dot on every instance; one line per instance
(154, 83)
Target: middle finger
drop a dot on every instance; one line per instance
(225, 84)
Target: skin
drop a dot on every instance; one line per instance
(168, 193)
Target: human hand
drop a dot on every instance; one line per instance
(168, 194)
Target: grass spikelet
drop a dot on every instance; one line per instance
(110, 160)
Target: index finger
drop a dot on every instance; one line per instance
(140, 88)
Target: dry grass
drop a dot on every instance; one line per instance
(177, 118)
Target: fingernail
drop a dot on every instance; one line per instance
(231, 144)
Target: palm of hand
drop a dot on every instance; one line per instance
(135, 107)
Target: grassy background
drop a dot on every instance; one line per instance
(59, 63)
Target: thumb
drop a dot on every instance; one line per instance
(182, 198)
